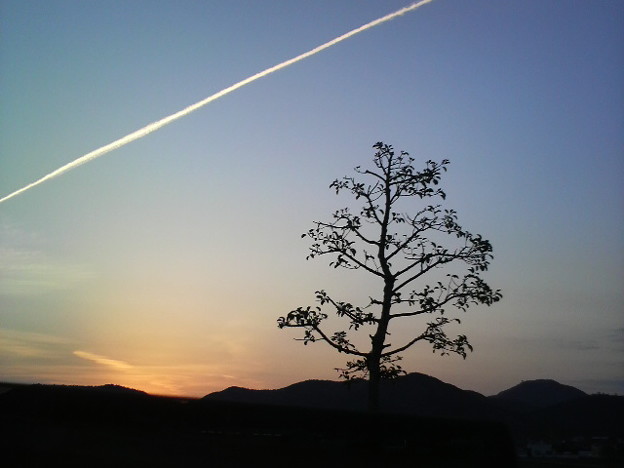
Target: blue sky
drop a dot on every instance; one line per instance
(164, 264)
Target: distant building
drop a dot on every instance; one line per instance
(539, 449)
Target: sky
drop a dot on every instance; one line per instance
(164, 265)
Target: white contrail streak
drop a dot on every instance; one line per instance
(187, 110)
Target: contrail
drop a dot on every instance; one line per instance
(140, 133)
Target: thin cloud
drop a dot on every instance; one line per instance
(27, 271)
(23, 344)
(616, 337)
(103, 360)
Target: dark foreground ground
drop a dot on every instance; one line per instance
(43, 425)
(74, 426)
(563, 463)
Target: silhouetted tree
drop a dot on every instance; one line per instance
(400, 249)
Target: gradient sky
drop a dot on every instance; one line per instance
(164, 265)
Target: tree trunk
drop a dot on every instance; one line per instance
(378, 340)
(373, 360)
(374, 381)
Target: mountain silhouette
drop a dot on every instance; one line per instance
(70, 396)
(539, 393)
(531, 409)
(415, 394)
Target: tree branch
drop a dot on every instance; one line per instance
(340, 349)
(420, 337)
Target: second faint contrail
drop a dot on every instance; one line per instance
(140, 133)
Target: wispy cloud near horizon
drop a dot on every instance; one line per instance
(29, 344)
(104, 361)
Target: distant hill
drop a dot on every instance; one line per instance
(540, 393)
(324, 394)
(415, 394)
(71, 401)
(532, 408)
(69, 390)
